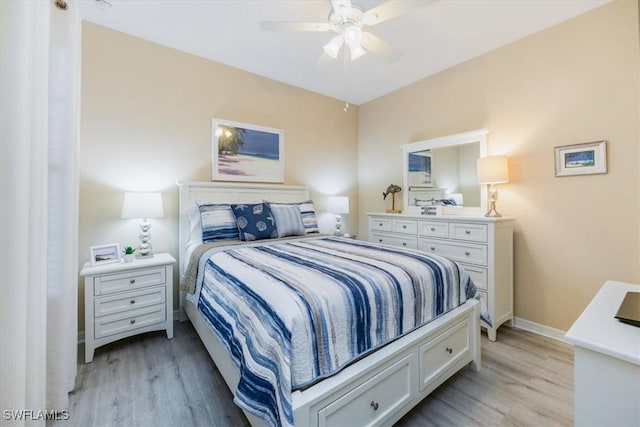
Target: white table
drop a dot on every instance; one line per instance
(607, 362)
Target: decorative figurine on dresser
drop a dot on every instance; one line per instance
(444, 214)
(392, 189)
(124, 299)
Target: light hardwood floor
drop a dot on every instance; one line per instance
(526, 380)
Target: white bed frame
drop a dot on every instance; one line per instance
(379, 388)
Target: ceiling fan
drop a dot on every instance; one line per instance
(348, 21)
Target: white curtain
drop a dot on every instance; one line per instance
(39, 120)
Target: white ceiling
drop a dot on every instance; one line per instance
(436, 36)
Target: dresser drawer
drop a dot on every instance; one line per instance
(467, 253)
(381, 224)
(478, 275)
(434, 229)
(129, 320)
(438, 355)
(405, 242)
(125, 301)
(468, 232)
(374, 401)
(130, 280)
(405, 226)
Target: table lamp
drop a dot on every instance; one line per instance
(493, 170)
(143, 205)
(338, 205)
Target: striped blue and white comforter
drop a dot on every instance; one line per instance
(292, 313)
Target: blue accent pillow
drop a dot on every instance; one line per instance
(218, 222)
(307, 212)
(255, 221)
(288, 220)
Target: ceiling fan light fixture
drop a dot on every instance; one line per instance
(352, 35)
(333, 47)
(356, 51)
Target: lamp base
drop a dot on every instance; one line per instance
(492, 212)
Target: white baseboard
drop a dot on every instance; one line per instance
(539, 329)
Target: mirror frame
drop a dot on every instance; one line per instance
(478, 135)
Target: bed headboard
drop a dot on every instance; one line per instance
(229, 192)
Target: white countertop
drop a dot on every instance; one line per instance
(597, 329)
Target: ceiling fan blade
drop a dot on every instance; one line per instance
(375, 45)
(391, 9)
(295, 26)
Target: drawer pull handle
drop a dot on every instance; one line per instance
(404, 243)
(433, 229)
(380, 224)
(404, 226)
(433, 248)
(467, 253)
(449, 350)
(132, 321)
(467, 231)
(380, 240)
(374, 405)
(132, 301)
(132, 281)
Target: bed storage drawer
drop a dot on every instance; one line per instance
(124, 301)
(442, 352)
(130, 280)
(395, 240)
(374, 401)
(129, 320)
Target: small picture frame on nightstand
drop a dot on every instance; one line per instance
(105, 254)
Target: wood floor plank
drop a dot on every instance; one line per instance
(147, 380)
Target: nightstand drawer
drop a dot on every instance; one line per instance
(129, 320)
(130, 280)
(126, 301)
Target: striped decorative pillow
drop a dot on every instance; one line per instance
(218, 222)
(288, 220)
(307, 212)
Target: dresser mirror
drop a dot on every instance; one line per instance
(444, 168)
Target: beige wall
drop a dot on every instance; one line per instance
(146, 123)
(575, 82)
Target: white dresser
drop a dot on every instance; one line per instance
(125, 299)
(483, 246)
(606, 362)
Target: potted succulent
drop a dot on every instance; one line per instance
(128, 253)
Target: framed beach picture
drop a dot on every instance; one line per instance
(581, 159)
(104, 254)
(420, 172)
(244, 152)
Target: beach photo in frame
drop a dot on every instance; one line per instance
(104, 254)
(420, 169)
(581, 159)
(245, 152)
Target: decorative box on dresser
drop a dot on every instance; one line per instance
(125, 299)
(483, 246)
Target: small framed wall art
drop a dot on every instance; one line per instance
(105, 254)
(243, 152)
(581, 159)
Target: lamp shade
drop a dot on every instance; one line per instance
(142, 205)
(338, 204)
(493, 170)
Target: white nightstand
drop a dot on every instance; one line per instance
(125, 299)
